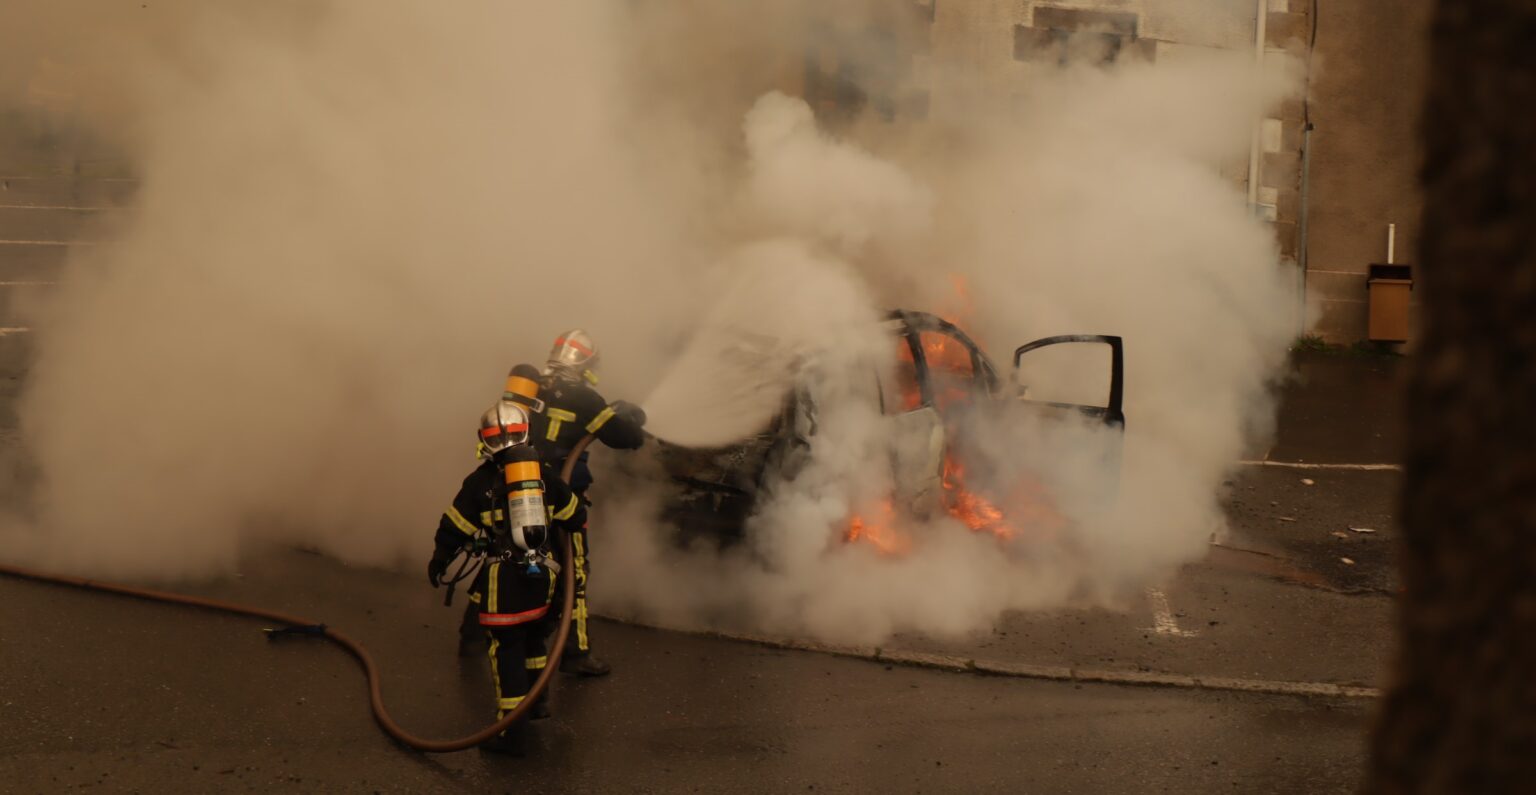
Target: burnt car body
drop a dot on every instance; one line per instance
(940, 371)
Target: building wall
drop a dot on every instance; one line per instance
(1366, 93)
(1366, 82)
(1366, 79)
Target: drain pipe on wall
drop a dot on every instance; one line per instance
(1260, 35)
(1301, 230)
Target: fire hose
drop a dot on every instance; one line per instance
(370, 669)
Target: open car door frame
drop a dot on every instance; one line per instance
(1111, 414)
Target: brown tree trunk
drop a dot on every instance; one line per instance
(1461, 714)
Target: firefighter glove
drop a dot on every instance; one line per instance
(629, 411)
(435, 569)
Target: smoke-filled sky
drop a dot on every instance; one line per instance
(356, 215)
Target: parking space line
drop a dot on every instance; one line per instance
(1163, 622)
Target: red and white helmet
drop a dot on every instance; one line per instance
(573, 356)
(503, 426)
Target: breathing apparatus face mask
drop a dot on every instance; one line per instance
(525, 523)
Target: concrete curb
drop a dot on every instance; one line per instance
(1055, 673)
(1304, 465)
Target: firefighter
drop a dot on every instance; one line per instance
(572, 410)
(522, 388)
(506, 510)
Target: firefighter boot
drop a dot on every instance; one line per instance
(512, 742)
(584, 665)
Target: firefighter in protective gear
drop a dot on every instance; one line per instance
(573, 408)
(522, 388)
(508, 509)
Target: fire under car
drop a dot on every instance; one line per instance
(940, 380)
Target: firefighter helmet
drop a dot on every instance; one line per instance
(574, 356)
(503, 426)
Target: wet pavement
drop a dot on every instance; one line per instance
(1342, 409)
(109, 694)
(1224, 623)
(1315, 526)
(227, 710)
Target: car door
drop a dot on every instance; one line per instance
(916, 432)
(949, 384)
(1084, 380)
(1112, 411)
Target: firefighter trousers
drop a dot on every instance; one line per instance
(578, 644)
(514, 603)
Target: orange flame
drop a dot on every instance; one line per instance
(1029, 510)
(950, 369)
(1029, 505)
(879, 531)
(973, 510)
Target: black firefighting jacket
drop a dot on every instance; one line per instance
(476, 507)
(572, 410)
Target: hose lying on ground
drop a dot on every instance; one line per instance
(376, 698)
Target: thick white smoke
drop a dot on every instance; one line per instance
(817, 210)
(1097, 206)
(354, 218)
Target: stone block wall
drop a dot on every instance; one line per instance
(1329, 208)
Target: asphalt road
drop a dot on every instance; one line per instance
(116, 695)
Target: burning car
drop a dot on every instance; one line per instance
(940, 379)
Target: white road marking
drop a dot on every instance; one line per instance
(1301, 465)
(8, 331)
(1163, 622)
(26, 284)
(48, 243)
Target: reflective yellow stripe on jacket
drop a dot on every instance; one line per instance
(569, 510)
(600, 420)
(556, 418)
(460, 522)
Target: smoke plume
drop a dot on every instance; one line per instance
(355, 216)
